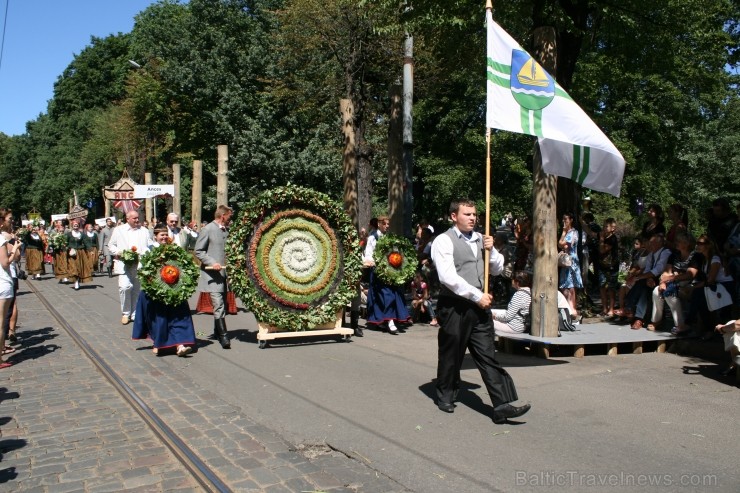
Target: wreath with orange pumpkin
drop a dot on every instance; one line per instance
(168, 274)
(395, 260)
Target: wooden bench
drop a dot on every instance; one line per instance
(591, 334)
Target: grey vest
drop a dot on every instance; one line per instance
(469, 267)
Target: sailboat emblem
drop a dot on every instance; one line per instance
(532, 87)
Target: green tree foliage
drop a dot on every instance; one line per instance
(265, 77)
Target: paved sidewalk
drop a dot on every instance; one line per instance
(65, 428)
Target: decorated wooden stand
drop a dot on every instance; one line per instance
(269, 332)
(294, 261)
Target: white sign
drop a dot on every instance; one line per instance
(102, 221)
(151, 191)
(57, 217)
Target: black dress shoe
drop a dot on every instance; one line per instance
(446, 407)
(505, 411)
(728, 371)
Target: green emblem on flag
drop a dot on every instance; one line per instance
(532, 87)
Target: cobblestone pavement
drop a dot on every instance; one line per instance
(64, 427)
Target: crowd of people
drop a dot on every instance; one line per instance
(669, 280)
(695, 278)
(73, 252)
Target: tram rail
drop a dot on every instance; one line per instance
(200, 471)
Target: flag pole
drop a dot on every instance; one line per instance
(487, 255)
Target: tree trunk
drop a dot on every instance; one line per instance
(544, 221)
(364, 184)
(395, 164)
(349, 160)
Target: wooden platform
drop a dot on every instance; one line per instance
(592, 334)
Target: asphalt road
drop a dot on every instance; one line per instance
(650, 422)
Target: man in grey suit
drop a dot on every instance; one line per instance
(210, 248)
(103, 239)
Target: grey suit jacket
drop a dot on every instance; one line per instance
(210, 248)
(103, 239)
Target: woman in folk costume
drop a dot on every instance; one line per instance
(35, 253)
(168, 326)
(78, 265)
(58, 241)
(90, 238)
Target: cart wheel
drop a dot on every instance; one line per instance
(347, 338)
(263, 344)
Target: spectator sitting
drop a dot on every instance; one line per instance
(421, 303)
(515, 318)
(639, 296)
(638, 259)
(675, 282)
(714, 273)
(731, 333)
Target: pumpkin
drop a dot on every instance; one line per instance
(395, 259)
(169, 274)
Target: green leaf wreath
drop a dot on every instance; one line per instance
(58, 241)
(164, 258)
(293, 258)
(387, 245)
(129, 257)
(23, 234)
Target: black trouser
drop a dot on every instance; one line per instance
(463, 325)
(6, 322)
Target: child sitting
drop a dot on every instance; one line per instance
(421, 303)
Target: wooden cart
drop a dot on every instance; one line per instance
(269, 332)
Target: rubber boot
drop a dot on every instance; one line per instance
(220, 333)
(354, 318)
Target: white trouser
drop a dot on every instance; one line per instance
(128, 291)
(674, 304)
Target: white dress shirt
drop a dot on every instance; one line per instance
(370, 247)
(442, 256)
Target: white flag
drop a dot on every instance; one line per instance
(532, 103)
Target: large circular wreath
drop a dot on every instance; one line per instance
(168, 274)
(395, 260)
(294, 258)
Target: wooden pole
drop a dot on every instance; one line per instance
(148, 202)
(408, 138)
(487, 256)
(395, 165)
(222, 180)
(544, 224)
(176, 208)
(197, 191)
